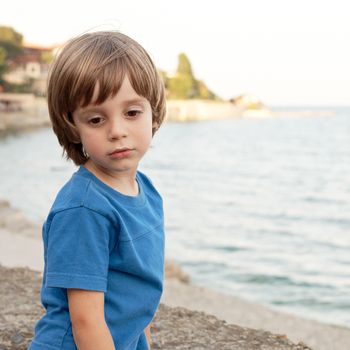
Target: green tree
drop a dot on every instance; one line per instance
(46, 56)
(179, 87)
(11, 41)
(8, 34)
(184, 66)
(184, 85)
(10, 47)
(204, 92)
(3, 67)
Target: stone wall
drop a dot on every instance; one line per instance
(197, 110)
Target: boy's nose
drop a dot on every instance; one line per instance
(117, 129)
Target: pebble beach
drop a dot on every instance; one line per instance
(188, 314)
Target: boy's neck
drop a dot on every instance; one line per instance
(123, 182)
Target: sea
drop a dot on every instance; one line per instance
(254, 207)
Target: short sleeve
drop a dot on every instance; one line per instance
(78, 250)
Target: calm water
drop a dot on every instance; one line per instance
(254, 208)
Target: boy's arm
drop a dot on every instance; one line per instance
(90, 330)
(148, 335)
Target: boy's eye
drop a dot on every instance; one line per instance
(133, 113)
(95, 120)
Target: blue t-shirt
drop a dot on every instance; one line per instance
(96, 238)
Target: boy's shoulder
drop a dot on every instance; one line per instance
(84, 190)
(148, 185)
(145, 179)
(79, 191)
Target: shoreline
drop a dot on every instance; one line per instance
(235, 310)
(33, 113)
(17, 233)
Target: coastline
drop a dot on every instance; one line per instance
(33, 113)
(200, 110)
(17, 233)
(234, 310)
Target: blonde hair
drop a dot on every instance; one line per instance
(104, 58)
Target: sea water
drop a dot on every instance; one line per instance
(258, 208)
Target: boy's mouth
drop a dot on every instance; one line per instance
(120, 152)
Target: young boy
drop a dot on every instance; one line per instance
(104, 236)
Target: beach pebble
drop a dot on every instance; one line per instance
(173, 327)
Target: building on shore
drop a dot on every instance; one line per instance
(30, 68)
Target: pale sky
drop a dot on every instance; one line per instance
(294, 52)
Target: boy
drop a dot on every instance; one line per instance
(104, 236)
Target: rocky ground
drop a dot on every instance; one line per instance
(173, 328)
(179, 324)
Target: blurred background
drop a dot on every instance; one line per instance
(253, 161)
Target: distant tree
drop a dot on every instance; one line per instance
(46, 56)
(8, 34)
(3, 67)
(10, 47)
(204, 92)
(184, 85)
(11, 41)
(180, 87)
(184, 66)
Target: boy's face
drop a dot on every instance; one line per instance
(117, 133)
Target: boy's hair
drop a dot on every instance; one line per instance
(104, 58)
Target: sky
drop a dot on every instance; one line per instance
(283, 52)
